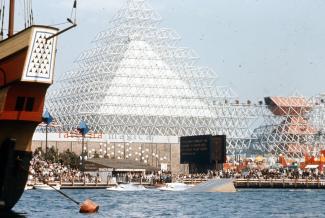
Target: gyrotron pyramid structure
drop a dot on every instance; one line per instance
(137, 81)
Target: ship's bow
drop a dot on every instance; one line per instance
(26, 71)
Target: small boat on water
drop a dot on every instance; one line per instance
(127, 187)
(28, 187)
(47, 187)
(175, 186)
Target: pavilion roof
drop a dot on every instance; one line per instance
(288, 105)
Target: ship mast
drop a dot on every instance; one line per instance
(11, 18)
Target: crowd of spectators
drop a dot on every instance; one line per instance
(280, 173)
(255, 173)
(45, 171)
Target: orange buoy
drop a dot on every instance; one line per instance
(88, 206)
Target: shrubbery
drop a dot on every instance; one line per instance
(70, 158)
(67, 158)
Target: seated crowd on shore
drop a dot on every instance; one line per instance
(280, 173)
(46, 171)
(264, 174)
(49, 171)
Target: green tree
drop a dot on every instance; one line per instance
(69, 158)
(38, 151)
(52, 155)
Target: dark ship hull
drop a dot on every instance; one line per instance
(13, 174)
(26, 71)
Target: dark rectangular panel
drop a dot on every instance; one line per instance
(218, 149)
(195, 149)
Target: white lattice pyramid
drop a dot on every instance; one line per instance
(137, 81)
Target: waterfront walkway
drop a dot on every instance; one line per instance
(239, 183)
(280, 183)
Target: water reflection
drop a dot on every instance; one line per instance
(13, 214)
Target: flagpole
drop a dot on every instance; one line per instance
(83, 153)
(47, 119)
(46, 127)
(83, 130)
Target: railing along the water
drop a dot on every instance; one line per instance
(193, 180)
(280, 183)
(238, 183)
(72, 184)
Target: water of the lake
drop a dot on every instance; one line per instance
(152, 203)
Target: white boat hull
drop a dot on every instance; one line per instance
(28, 187)
(46, 187)
(176, 186)
(127, 187)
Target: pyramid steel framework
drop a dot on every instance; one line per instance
(292, 126)
(136, 80)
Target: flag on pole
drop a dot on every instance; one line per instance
(47, 118)
(83, 128)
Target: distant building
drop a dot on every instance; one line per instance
(291, 127)
(136, 84)
(138, 91)
(118, 170)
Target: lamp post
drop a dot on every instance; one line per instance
(124, 149)
(100, 150)
(139, 153)
(83, 130)
(113, 151)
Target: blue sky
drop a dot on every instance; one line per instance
(257, 47)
